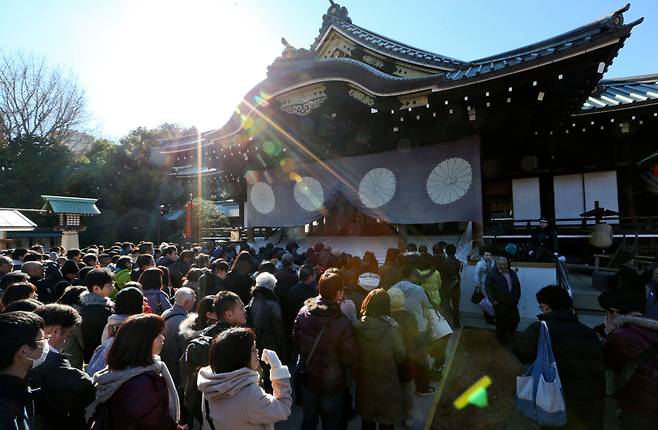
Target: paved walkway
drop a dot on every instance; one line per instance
(425, 406)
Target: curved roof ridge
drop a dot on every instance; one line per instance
(612, 21)
(644, 78)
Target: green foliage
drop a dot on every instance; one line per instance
(209, 215)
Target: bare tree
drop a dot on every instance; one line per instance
(37, 100)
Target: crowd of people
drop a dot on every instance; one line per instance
(218, 337)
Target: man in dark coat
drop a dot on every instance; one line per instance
(630, 351)
(285, 278)
(578, 355)
(23, 347)
(305, 289)
(337, 351)
(211, 283)
(450, 270)
(63, 391)
(504, 290)
(168, 260)
(95, 310)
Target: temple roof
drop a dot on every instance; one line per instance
(337, 18)
(71, 205)
(623, 93)
(297, 69)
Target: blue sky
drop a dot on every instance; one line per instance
(143, 62)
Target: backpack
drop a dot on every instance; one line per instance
(194, 358)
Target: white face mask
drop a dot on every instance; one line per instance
(36, 362)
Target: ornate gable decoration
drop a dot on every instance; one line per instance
(302, 102)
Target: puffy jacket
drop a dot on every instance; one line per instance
(266, 317)
(142, 403)
(235, 401)
(622, 346)
(63, 393)
(95, 311)
(381, 351)
(579, 357)
(430, 280)
(122, 277)
(337, 350)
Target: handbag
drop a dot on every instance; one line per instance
(488, 307)
(438, 325)
(477, 296)
(299, 374)
(539, 394)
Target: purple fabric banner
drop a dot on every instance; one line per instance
(430, 184)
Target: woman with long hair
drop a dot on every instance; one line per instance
(239, 277)
(381, 351)
(152, 282)
(231, 395)
(136, 391)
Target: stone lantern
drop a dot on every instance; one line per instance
(69, 211)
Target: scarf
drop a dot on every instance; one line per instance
(107, 382)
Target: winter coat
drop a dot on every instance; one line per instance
(450, 269)
(579, 357)
(139, 398)
(409, 331)
(297, 295)
(266, 317)
(620, 348)
(498, 290)
(16, 411)
(174, 344)
(122, 277)
(235, 401)
(186, 330)
(381, 351)
(415, 302)
(175, 275)
(337, 350)
(158, 301)
(209, 284)
(482, 269)
(241, 285)
(430, 280)
(95, 311)
(389, 275)
(63, 393)
(285, 279)
(195, 357)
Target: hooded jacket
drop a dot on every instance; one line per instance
(378, 389)
(430, 280)
(235, 401)
(337, 350)
(621, 347)
(95, 311)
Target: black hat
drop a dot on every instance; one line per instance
(70, 267)
(621, 299)
(129, 301)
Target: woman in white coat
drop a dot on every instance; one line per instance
(232, 396)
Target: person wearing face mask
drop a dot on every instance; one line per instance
(63, 391)
(136, 390)
(24, 346)
(232, 397)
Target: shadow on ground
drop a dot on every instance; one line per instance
(479, 353)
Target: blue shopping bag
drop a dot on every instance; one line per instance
(539, 394)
